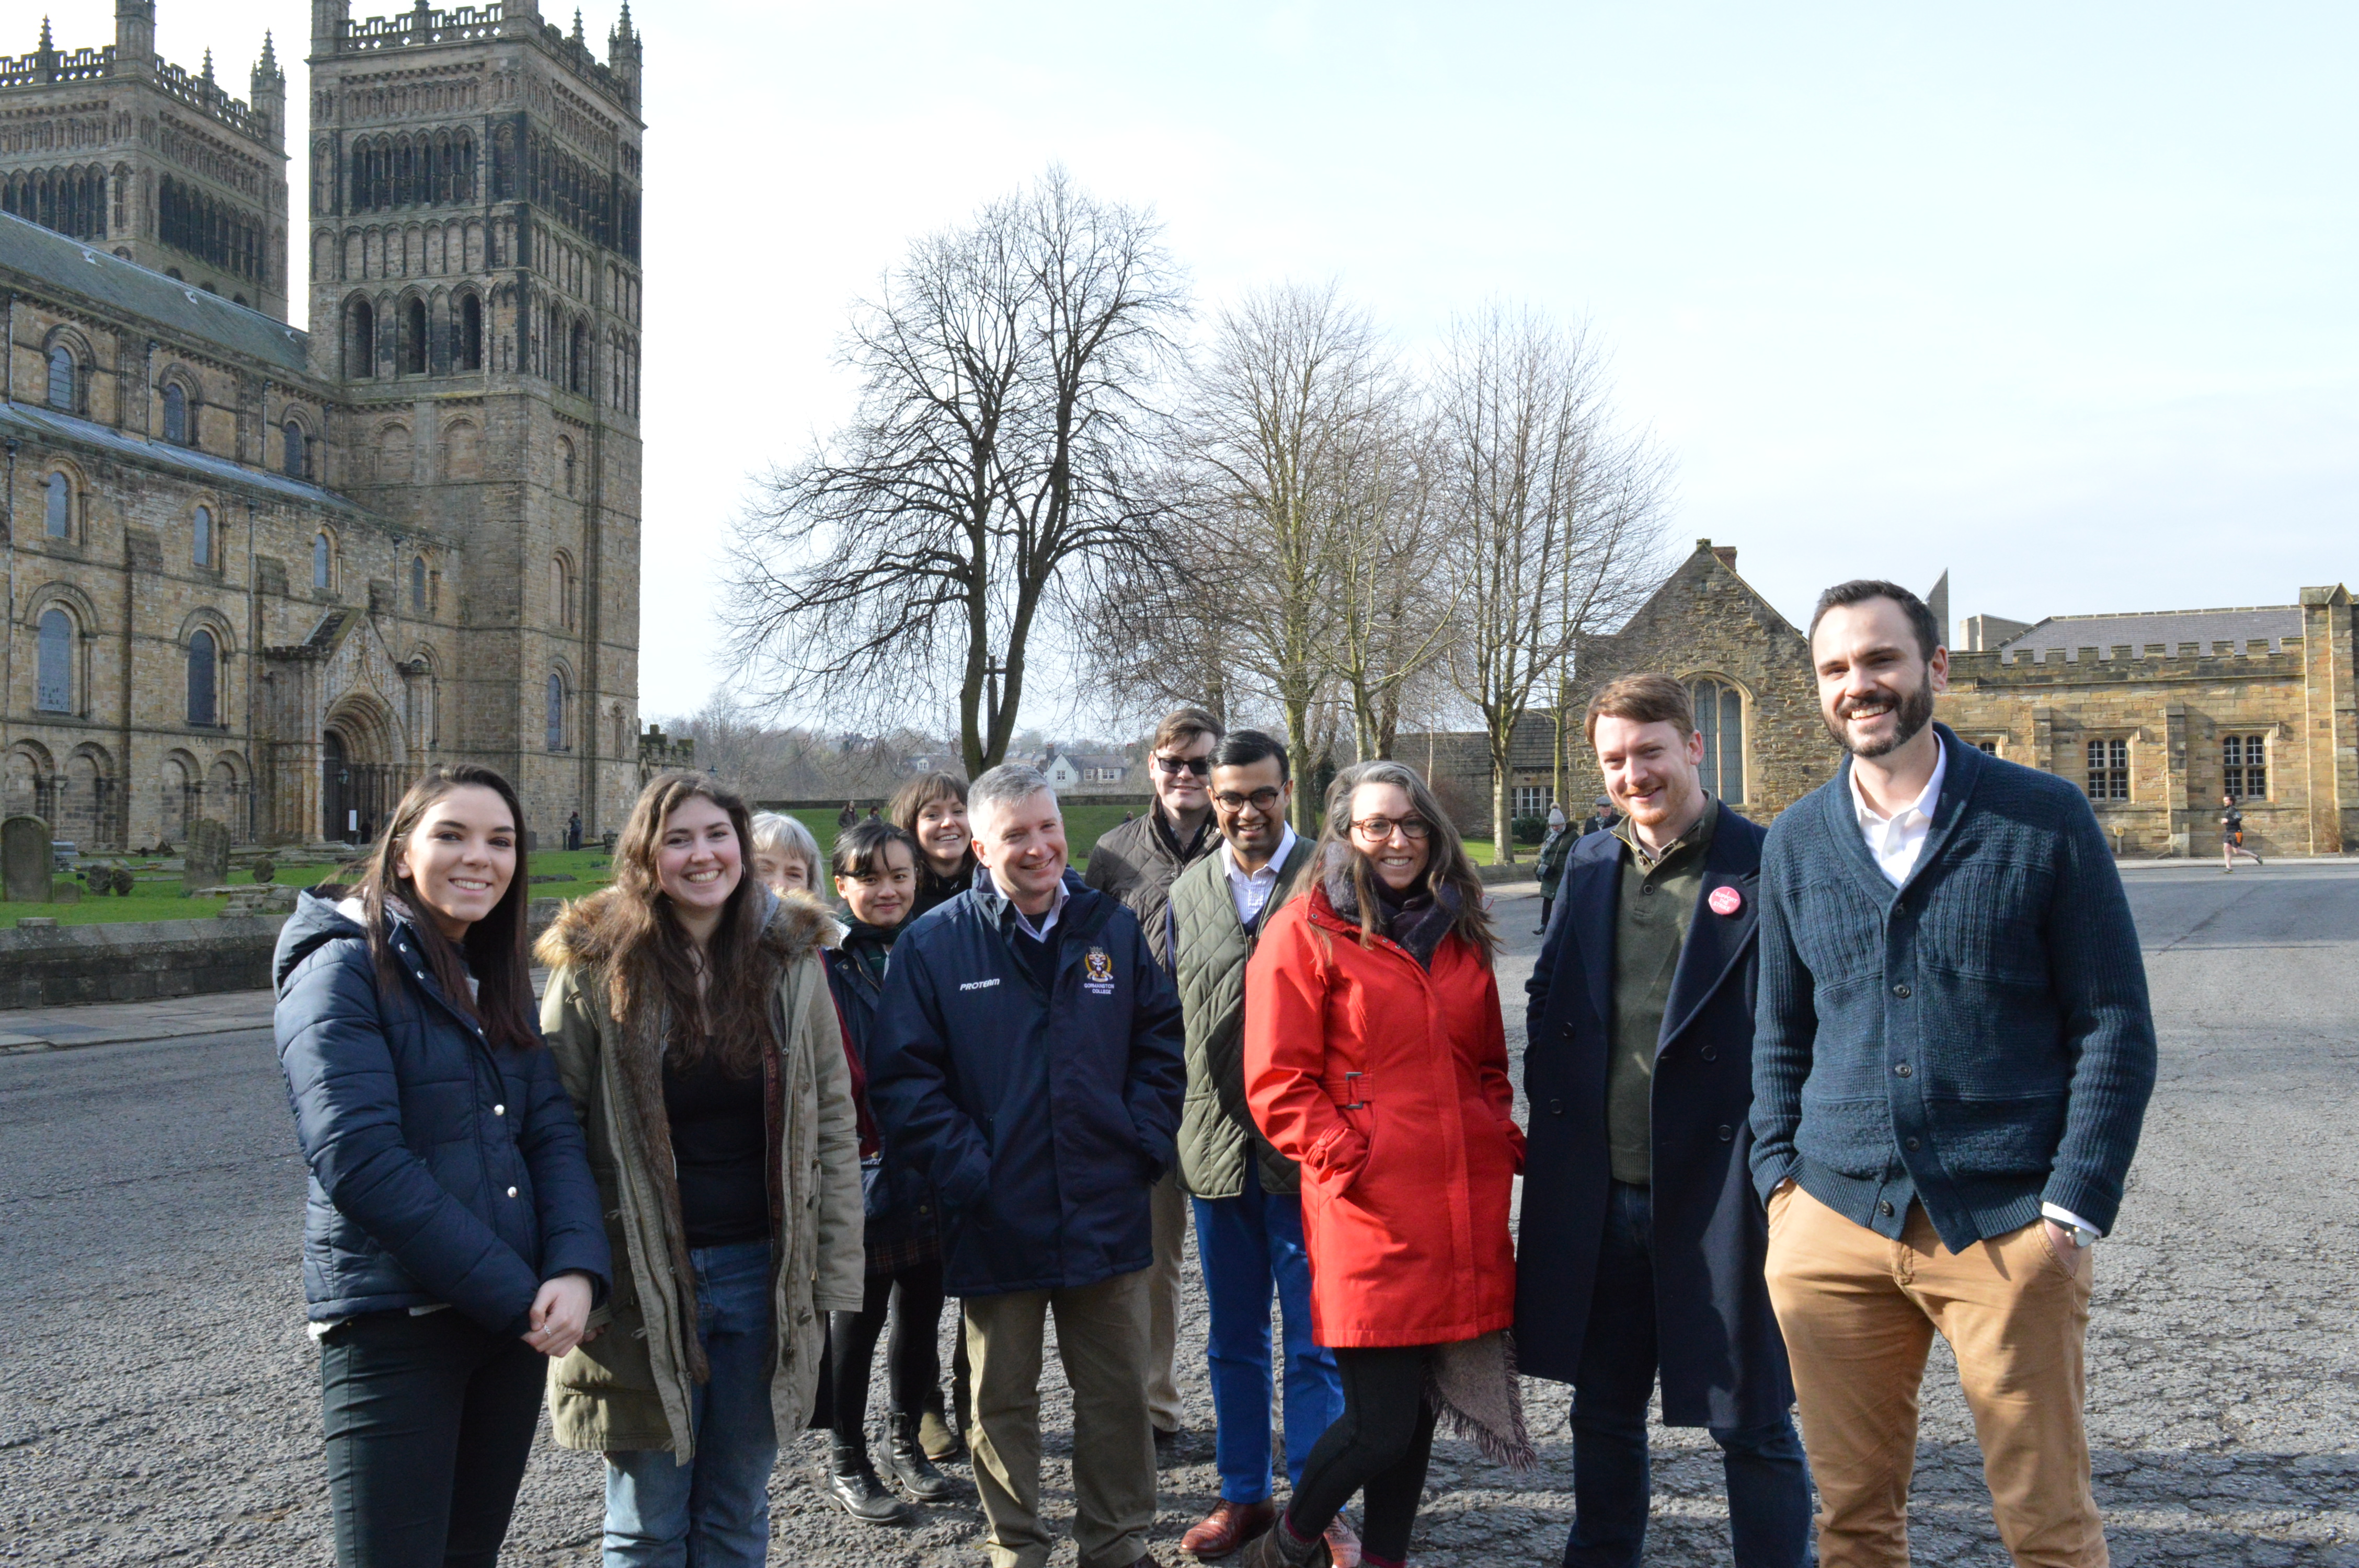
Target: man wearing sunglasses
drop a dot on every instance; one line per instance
(1137, 862)
(1246, 1195)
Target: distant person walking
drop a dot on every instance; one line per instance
(848, 816)
(573, 830)
(689, 1011)
(1555, 851)
(452, 1240)
(1953, 1056)
(1376, 1061)
(1027, 1057)
(1600, 819)
(1246, 1195)
(1137, 862)
(2232, 834)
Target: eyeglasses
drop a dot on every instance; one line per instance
(1376, 829)
(1261, 800)
(1199, 766)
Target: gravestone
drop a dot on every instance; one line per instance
(205, 859)
(25, 860)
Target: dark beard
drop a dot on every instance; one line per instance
(1915, 712)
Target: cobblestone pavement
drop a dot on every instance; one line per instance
(158, 1403)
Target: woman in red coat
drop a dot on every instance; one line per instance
(1375, 1059)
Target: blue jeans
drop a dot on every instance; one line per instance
(1249, 1245)
(1769, 1483)
(714, 1510)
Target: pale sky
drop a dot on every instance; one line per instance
(2056, 297)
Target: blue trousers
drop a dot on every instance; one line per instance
(1769, 1483)
(714, 1510)
(1250, 1246)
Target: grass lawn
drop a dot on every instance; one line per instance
(161, 900)
(1084, 822)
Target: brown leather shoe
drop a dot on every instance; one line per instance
(1343, 1546)
(1226, 1528)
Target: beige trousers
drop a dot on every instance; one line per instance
(1102, 1338)
(1859, 1314)
(1163, 1302)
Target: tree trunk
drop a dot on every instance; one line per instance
(1502, 835)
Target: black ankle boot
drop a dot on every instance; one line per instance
(905, 1456)
(851, 1480)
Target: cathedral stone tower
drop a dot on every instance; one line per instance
(156, 164)
(475, 259)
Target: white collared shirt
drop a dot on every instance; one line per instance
(1251, 890)
(1897, 841)
(1048, 921)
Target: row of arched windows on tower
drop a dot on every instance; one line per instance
(71, 200)
(413, 349)
(434, 169)
(189, 218)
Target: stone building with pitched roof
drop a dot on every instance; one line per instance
(267, 575)
(2154, 714)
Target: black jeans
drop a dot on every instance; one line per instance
(429, 1423)
(1769, 1483)
(913, 1369)
(1381, 1443)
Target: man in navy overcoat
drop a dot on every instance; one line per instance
(1641, 1239)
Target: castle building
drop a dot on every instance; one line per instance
(266, 575)
(2154, 714)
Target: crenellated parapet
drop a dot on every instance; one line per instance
(421, 27)
(2261, 658)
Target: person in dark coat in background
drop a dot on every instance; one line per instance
(874, 866)
(452, 1240)
(1027, 1056)
(573, 830)
(1602, 819)
(1137, 862)
(1555, 849)
(1642, 1243)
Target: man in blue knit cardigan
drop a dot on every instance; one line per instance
(1953, 1056)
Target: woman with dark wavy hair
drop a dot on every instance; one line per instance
(452, 1238)
(689, 1009)
(1376, 1059)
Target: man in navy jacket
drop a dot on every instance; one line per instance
(1953, 1060)
(1641, 1240)
(1028, 1053)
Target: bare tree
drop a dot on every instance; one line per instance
(1556, 516)
(989, 481)
(1276, 447)
(1394, 614)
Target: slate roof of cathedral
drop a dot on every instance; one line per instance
(2167, 627)
(109, 280)
(49, 423)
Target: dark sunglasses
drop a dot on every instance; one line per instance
(1199, 766)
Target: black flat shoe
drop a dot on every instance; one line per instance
(904, 1457)
(852, 1482)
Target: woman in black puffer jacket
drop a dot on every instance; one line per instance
(452, 1240)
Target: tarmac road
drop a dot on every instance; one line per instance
(158, 1397)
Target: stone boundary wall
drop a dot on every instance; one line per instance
(61, 965)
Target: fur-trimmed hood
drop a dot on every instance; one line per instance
(585, 934)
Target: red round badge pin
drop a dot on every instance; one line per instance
(1725, 901)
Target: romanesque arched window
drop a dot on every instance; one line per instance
(324, 561)
(578, 364)
(1720, 718)
(204, 659)
(359, 342)
(471, 333)
(53, 691)
(413, 344)
(57, 508)
(200, 536)
(556, 736)
(291, 455)
(565, 460)
(418, 585)
(176, 416)
(62, 378)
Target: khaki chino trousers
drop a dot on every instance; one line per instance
(1859, 1313)
(1102, 1338)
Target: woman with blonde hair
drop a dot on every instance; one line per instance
(785, 855)
(689, 1013)
(1375, 1058)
